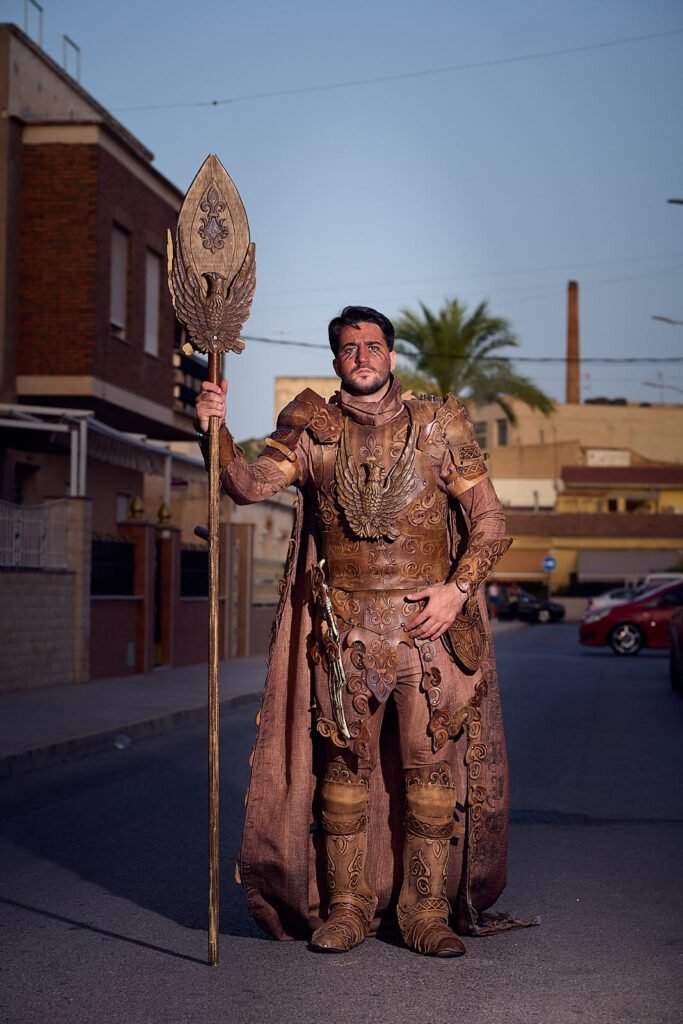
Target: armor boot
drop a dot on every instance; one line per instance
(423, 908)
(344, 805)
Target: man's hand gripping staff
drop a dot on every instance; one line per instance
(332, 645)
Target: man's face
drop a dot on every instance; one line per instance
(364, 362)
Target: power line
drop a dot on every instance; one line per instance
(472, 65)
(290, 342)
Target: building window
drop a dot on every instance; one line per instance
(152, 283)
(118, 315)
(24, 476)
(502, 426)
(481, 433)
(122, 507)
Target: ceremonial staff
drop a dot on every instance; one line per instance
(211, 277)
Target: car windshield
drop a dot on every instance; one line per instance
(663, 595)
(645, 588)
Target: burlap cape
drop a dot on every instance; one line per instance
(280, 861)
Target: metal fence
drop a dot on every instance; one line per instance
(33, 536)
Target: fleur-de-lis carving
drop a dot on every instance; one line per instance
(213, 230)
(371, 451)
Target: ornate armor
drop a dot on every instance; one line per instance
(383, 519)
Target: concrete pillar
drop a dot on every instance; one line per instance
(573, 356)
(78, 552)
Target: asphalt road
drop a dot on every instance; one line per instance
(103, 881)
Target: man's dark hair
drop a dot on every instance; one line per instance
(351, 316)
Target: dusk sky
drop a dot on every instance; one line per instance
(497, 174)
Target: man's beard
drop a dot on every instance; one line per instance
(367, 385)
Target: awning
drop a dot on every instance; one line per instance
(617, 564)
(521, 564)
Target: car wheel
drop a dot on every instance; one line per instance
(626, 639)
(544, 615)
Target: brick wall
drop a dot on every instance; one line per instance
(125, 200)
(45, 615)
(70, 197)
(57, 259)
(36, 623)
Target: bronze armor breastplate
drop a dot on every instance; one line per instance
(413, 550)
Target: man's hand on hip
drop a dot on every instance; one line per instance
(444, 603)
(210, 402)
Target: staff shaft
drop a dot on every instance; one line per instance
(213, 524)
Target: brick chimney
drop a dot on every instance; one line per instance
(573, 359)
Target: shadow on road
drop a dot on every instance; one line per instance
(99, 931)
(135, 826)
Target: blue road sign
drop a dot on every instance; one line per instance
(549, 563)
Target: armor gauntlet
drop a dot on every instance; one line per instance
(478, 561)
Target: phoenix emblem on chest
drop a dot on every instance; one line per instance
(370, 498)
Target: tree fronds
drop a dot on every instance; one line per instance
(461, 351)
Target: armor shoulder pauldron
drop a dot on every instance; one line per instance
(422, 414)
(308, 411)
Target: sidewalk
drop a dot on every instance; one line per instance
(45, 726)
(58, 723)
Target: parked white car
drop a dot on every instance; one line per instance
(612, 597)
(628, 593)
(658, 579)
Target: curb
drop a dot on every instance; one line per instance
(62, 751)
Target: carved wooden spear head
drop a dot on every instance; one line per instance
(212, 267)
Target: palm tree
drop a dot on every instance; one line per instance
(454, 350)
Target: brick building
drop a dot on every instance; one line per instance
(639, 489)
(85, 318)
(592, 550)
(94, 392)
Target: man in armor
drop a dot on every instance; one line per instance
(379, 778)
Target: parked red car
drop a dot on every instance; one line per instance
(632, 625)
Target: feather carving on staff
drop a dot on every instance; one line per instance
(212, 310)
